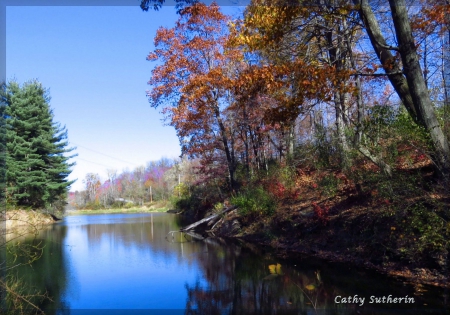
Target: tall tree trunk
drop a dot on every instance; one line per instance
(417, 84)
(340, 130)
(339, 106)
(360, 111)
(245, 128)
(230, 159)
(337, 54)
(382, 50)
(291, 139)
(446, 80)
(255, 148)
(410, 88)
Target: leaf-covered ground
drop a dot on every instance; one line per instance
(404, 234)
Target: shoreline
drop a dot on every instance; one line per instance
(309, 244)
(420, 276)
(19, 223)
(15, 218)
(116, 210)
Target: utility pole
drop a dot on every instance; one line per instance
(151, 195)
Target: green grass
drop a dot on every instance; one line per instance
(119, 210)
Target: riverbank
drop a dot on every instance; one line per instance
(331, 244)
(17, 223)
(118, 210)
(357, 235)
(23, 218)
(403, 236)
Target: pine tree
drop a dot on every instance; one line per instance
(37, 168)
(2, 144)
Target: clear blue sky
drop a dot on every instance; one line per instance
(93, 61)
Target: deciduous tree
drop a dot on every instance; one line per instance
(193, 82)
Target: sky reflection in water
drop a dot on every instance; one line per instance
(129, 261)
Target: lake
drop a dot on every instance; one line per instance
(133, 264)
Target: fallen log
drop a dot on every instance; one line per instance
(213, 221)
(207, 219)
(173, 211)
(54, 217)
(195, 236)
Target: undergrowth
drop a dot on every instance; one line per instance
(255, 201)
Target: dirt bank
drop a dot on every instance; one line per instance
(356, 230)
(20, 222)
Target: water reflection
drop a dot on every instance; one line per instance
(243, 280)
(47, 274)
(132, 261)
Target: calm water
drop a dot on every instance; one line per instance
(93, 264)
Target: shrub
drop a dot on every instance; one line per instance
(218, 207)
(181, 190)
(93, 205)
(420, 235)
(201, 200)
(321, 212)
(329, 184)
(281, 182)
(187, 203)
(255, 201)
(129, 205)
(276, 188)
(324, 147)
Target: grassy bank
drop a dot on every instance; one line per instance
(118, 210)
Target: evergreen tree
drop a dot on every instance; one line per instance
(2, 145)
(37, 168)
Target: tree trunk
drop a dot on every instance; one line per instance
(340, 130)
(245, 128)
(446, 80)
(337, 54)
(255, 141)
(416, 83)
(228, 154)
(207, 219)
(291, 139)
(411, 89)
(360, 110)
(385, 56)
(446, 73)
(386, 168)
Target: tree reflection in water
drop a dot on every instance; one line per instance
(241, 279)
(51, 279)
(240, 282)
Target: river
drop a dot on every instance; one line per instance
(132, 264)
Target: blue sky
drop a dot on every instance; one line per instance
(93, 61)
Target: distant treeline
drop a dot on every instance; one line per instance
(157, 181)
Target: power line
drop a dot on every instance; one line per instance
(78, 145)
(78, 158)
